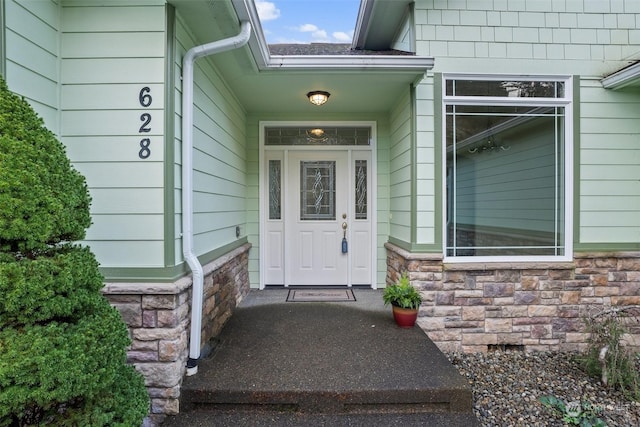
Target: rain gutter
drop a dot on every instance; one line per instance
(187, 181)
(627, 76)
(386, 63)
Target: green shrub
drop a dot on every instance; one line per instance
(607, 357)
(43, 200)
(63, 285)
(62, 346)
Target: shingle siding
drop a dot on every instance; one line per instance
(581, 28)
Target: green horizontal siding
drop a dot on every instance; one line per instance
(427, 217)
(117, 16)
(126, 201)
(400, 170)
(32, 55)
(121, 174)
(113, 70)
(113, 45)
(109, 149)
(128, 254)
(108, 54)
(609, 167)
(126, 228)
(114, 96)
(113, 122)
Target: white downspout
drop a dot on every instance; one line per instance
(187, 181)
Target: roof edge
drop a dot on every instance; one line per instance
(362, 24)
(246, 11)
(378, 23)
(623, 77)
(351, 62)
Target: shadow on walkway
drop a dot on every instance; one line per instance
(285, 363)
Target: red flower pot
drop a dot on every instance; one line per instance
(404, 317)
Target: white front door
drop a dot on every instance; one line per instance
(308, 195)
(317, 218)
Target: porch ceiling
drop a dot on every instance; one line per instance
(277, 85)
(285, 91)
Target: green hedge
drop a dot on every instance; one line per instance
(43, 200)
(63, 285)
(62, 346)
(63, 371)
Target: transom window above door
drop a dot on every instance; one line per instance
(317, 135)
(508, 167)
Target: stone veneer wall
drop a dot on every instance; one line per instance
(159, 317)
(469, 307)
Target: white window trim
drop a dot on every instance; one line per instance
(567, 103)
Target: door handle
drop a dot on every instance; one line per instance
(345, 246)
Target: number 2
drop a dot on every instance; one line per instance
(146, 120)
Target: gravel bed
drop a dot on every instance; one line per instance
(507, 384)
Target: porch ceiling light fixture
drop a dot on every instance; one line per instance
(318, 97)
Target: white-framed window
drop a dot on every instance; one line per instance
(508, 168)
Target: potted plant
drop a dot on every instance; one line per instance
(405, 301)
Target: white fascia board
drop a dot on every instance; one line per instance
(622, 78)
(246, 11)
(351, 62)
(362, 23)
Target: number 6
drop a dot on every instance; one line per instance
(145, 96)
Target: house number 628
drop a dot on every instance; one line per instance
(145, 99)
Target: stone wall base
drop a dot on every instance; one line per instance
(159, 316)
(471, 307)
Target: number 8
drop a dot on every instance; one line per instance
(145, 151)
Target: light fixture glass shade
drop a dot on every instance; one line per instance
(318, 97)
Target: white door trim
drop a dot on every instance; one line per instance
(266, 152)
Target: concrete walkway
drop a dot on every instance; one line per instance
(308, 363)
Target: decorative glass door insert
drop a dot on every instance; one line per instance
(361, 189)
(317, 190)
(275, 189)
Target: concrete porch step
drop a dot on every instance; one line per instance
(272, 419)
(327, 401)
(308, 363)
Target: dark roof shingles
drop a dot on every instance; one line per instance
(325, 49)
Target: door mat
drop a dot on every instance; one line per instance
(320, 295)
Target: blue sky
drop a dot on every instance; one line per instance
(308, 21)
